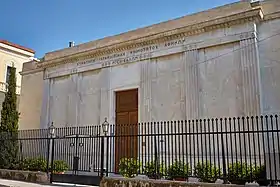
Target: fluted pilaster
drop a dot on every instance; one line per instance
(191, 84)
(146, 91)
(44, 119)
(250, 77)
(73, 99)
(105, 95)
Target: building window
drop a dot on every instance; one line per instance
(9, 68)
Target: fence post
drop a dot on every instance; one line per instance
(51, 136)
(156, 157)
(107, 155)
(52, 159)
(102, 157)
(48, 156)
(20, 150)
(105, 127)
(223, 154)
(76, 157)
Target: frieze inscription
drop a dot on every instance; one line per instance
(125, 60)
(174, 43)
(109, 57)
(86, 62)
(133, 55)
(144, 49)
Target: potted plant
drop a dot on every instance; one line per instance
(129, 167)
(179, 171)
(206, 172)
(154, 170)
(60, 166)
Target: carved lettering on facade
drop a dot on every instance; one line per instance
(109, 57)
(125, 60)
(144, 49)
(133, 55)
(174, 43)
(86, 62)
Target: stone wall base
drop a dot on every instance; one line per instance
(124, 182)
(27, 176)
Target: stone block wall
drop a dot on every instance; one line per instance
(27, 176)
(123, 182)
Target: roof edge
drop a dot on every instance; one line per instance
(6, 42)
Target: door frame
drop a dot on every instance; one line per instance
(115, 118)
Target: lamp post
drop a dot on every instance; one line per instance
(105, 128)
(51, 134)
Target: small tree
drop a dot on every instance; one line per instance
(9, 124)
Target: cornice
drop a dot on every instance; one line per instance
(243, 17)
(272, 16)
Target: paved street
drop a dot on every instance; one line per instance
(10, 183)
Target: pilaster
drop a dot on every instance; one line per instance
(73, 96)
(78, 105)
(250, 76)
(50, 102)
(182, 80)
(191, 84)
(105, 96)
(44, 118)
(146, 91)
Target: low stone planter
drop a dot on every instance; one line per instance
(27, 176)
(125, 182)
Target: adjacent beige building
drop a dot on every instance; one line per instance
(12, 55)
(220, 62)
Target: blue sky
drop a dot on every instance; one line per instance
(48, 25)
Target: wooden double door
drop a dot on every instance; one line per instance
(126, 141)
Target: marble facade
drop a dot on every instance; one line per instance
(210, 64)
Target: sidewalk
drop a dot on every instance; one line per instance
(11, 183)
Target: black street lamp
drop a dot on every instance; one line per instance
(51, 130)
(105, 127)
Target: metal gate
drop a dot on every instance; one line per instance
(82, 152)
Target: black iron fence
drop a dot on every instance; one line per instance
(237, 150)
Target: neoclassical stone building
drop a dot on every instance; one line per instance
(220, 62)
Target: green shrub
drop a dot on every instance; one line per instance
(129, 167)
(39, 164)
(178, 169)
(260, 175)
(240, 173)
(60, 166)
(34, 164)
(206, 172)
(17, 165)
(153, 170)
